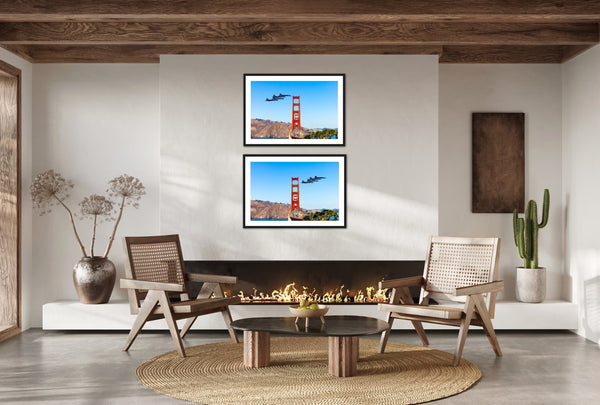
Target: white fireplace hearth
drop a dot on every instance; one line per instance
(72, 315)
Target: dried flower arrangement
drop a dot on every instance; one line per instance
(50, 188)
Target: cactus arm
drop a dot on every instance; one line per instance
(528, 247)
(516, 227)
(545, 209)
(519, 240)
(534, 262)
(533, 257)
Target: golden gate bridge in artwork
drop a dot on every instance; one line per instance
(296, 130)
(295, 201)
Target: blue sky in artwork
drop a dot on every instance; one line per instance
(271, 181)
(318, 102)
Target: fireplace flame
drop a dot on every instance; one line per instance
(291, 294)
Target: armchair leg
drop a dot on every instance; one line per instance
(386, 333)
(407, 299)
(487, 325)
(227, 318)
(168, 312)
(421, 332)
(464, 330)
(188, 324)
(395, 296)
(147, 307)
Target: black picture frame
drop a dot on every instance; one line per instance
(265, 177)
(271, 124)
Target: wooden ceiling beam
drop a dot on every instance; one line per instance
(151, 53)
(19, 51)
(306, 10)
(466, 31)
(502, 54)
(569, 52)
(298, 33)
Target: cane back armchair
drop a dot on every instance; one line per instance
(155, 273)
(457, 270)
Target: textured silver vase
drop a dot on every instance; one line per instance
(531, 284)
(94, 279)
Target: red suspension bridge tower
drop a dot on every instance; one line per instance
(296, 119)
(295, 202)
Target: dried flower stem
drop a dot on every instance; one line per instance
(112, 236)
(93, 206)
(93, 236)
(73, 225)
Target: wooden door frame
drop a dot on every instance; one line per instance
(15, 330)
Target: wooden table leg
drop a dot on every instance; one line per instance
(343, 355)
(257, 349)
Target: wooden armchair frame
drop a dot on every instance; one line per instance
(155, 271)
(456, 269)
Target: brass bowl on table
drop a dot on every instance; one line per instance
(309, 313)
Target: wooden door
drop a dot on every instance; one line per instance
(10, 201)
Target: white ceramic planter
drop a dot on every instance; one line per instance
(531, 284)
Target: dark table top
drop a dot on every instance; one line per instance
(343, 325)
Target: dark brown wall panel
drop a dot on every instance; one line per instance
(498, 162)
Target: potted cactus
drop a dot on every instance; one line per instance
(531, 279)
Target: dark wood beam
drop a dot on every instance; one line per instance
(151, 53)
(569, 52)
(305, 10)
(469, 31)
(502, 54)
(19, 51)
(233, 33)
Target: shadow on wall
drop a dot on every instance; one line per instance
(567, 290)
(206, 208)
(585, 269)
(591, 315)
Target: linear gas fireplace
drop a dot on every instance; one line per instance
(285, 282)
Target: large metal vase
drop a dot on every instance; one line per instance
(94, 279)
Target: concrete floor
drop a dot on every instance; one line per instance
(40, 367)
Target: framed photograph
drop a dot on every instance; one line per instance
(294, 109)
(294, 191)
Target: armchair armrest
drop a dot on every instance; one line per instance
(416, 281)
(211, 278)
(150, 285)
(491, 287)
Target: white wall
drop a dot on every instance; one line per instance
(581, 146)
(92, 123)
(27, 278)
(536, 91)
(391, 146)
(178, 127)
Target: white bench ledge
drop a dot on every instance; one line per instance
(72, 315)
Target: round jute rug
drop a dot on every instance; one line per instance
(214, 374)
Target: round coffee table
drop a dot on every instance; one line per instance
(343, 332)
